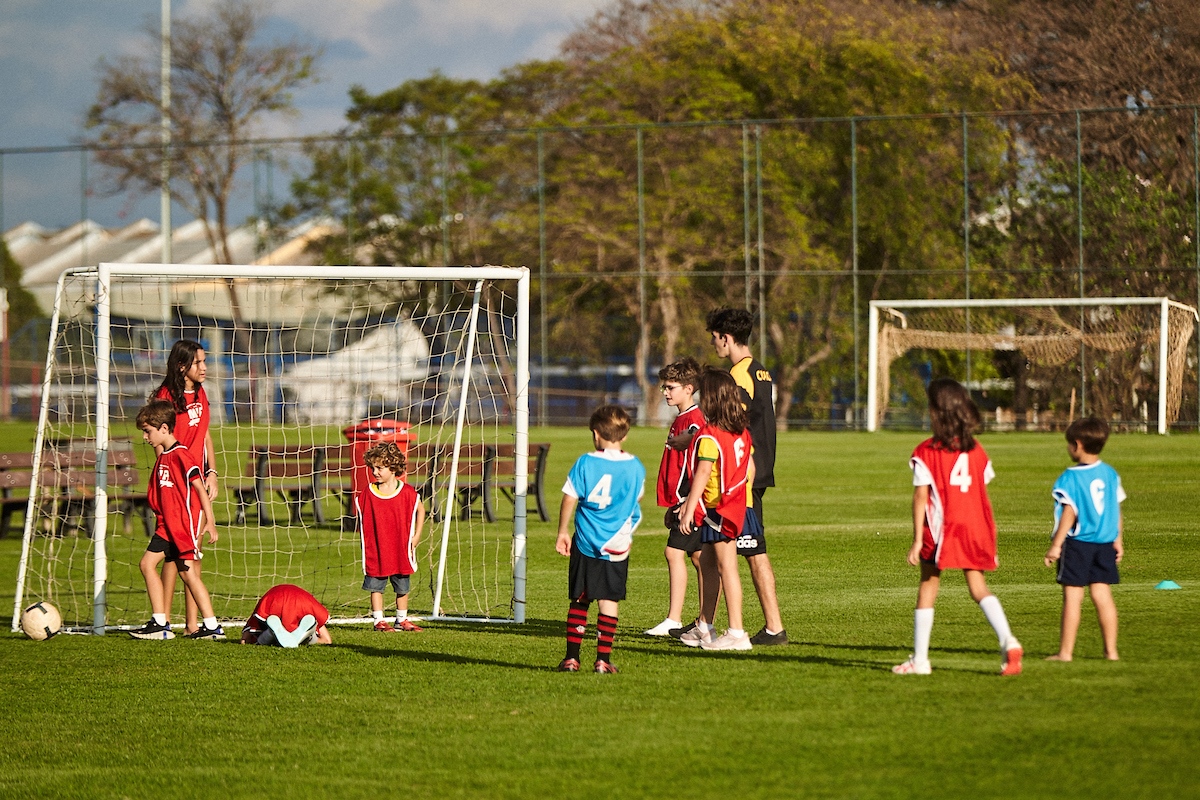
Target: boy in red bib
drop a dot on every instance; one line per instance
(178, 496)
(287, 616)
(678, 385)
(391, 517)
(953, 526)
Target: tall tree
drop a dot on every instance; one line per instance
(224, 84)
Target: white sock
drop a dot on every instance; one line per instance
(704, 626)
(771, 632)
(401, 615)
(737, 633)
(995, 617)
(922, 631)
(671, 623)
(377, 615)
(161, 619)
(210, 623)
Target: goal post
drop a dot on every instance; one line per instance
(295, 354)
(1105, 325)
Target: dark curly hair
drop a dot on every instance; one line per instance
(953, 415)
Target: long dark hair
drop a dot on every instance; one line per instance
(183, 355)
(721, 402)
(953, 415)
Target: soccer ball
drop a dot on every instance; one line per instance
(41, 621)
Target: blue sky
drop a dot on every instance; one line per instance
(49, 50)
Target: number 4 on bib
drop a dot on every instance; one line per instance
(601, 494)
(960, 476)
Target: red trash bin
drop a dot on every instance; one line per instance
(373, 431)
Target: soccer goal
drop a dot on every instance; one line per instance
(1109, 356)
(306, 367)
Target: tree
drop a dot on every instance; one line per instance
(223, 85)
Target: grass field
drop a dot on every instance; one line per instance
(473, 711)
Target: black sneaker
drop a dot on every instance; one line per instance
(677, 632)
(764, 638)
(152, 630)
(207, 633)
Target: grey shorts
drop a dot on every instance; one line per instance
(400, 583)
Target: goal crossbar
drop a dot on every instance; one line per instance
(876, 306)
(104, 275)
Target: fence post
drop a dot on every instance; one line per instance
(541, 189)
(762, 293)
(643, 339)
(1079, 220)
(746, 213)
(967, 236)
(854, 265)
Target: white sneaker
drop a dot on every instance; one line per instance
(727, 641)
(913, 667)
(695, 637)
(663, 628)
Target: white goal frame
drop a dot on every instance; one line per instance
(1165, 304)
(104, 275)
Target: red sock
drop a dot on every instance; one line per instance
(606, 630)
(576, 628)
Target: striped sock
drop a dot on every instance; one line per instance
(576, 628)
(606, 629)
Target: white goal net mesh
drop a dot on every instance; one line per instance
(1043, 361)
(293, 365)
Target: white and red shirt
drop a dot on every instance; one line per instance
(673, 483)
(291, 604)
(387, 523)
(175, 500)
(960, 530)
(191, 424)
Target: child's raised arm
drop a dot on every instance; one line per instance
(920, 500)
(1065, 523)
(563, 543)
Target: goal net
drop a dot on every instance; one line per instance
(306, 367)
(1038, 362)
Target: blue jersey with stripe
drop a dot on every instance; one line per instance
(1094, 492)
(608, 485)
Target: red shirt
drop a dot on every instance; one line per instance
(729, 471)
(291, 604)
(175, 501)
(960, 531)
(191, 424)
(387, 524)
(673, 481)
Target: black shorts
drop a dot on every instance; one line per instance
(1084, 563)
(752, 541)
(677, 539)
(161, 545)
(758, 492)
(596, 579)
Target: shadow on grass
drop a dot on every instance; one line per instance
(434, 657)
(540, 628)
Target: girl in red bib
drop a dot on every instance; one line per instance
(720, 470)
(953, 526)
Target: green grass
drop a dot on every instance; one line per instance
(466, 711)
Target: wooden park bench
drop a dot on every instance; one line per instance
(294, 472)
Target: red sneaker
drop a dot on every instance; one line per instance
(405, 625)
(604, 668)
(383, 626)
(569, 665)
(1012, 659)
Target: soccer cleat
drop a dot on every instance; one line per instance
(727, 641)
(207, 633)
(383, 626)
(913, 667)
(678, 633)
(152, 630)
(604, 668)
(405, 625)
(663, 628)
(1012, 658)
(696, 637)
(764, 638)
(568, 665)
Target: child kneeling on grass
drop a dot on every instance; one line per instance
(179, 498)
(953, 526)
(287, 616)
(391, 516)
(1087, 541)
(601, 494)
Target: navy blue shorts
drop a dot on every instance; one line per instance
(1084, 563)
(752, 541)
